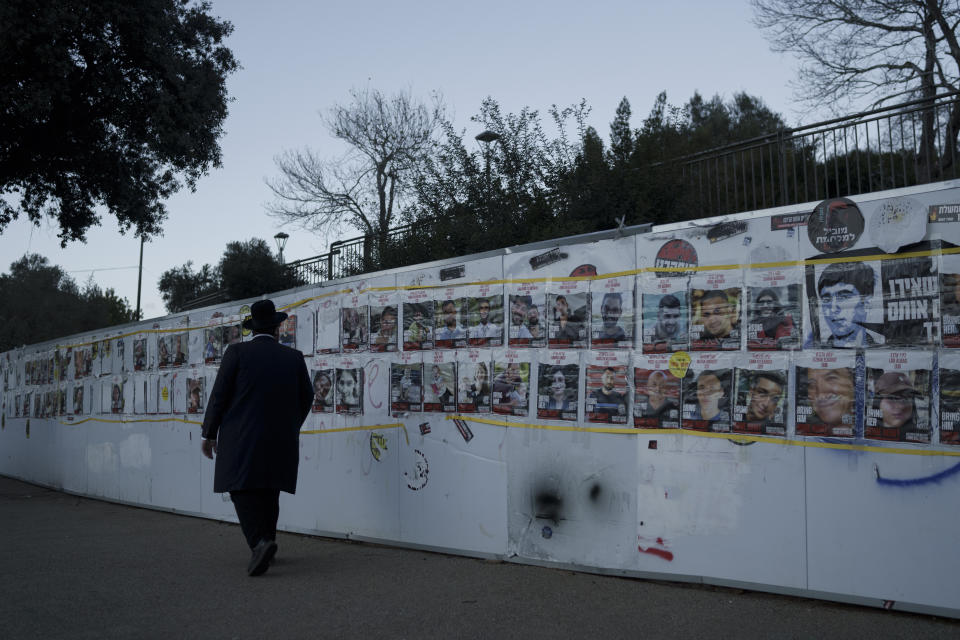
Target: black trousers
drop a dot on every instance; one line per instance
(257, 510)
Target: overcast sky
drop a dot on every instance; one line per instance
(299, 57)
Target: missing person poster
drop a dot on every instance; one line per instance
(353, 323)
(663, 309)
(568, 307)
(449, 315)
(606, 395)
(440, 384)
(950, 299)
(949, 397)
(526, 313)
(196, 396)
(287, 335)
(707, 392)
(558, 385)
(761, 404)
(511, 382)
(846, 305)
(473, 394)
(406, 383)
(139, 356)
(897, 402)
(384, 321)
(327, 325)
(213, 343)
(715, 311)
(485, 315)
(825, 393)
(418, 320)
(656, 393)
(322, 376)
(349, 386)
(612, 319)
(774, 309)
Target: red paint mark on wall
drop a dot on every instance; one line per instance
(662, 553)
(659, 549)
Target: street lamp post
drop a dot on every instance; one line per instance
(486, 137)
(281, 239)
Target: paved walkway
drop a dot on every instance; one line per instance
(72, 567)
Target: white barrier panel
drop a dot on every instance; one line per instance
(770, 400)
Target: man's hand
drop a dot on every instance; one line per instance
(208, 447)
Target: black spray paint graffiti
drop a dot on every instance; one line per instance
(548, 503)
(417, 480)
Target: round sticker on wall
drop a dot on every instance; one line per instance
(835, 225)
(897, 223)
(675, 254)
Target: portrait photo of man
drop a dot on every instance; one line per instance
(448, 329)
(714, 324)
(660, 393)
(826, 402)
(518, 330)
(771, 324)
(844, 294)
(761, 396)
(610, 331)
(664, 322)
(607, 403)
(483, 328)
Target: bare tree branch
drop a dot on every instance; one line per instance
(388, 136)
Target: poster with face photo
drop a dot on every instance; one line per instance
(349, 387)
(485, 315)
(195, 385)
(568, 311)
(417, 320)
(707, 393)
(384, 322)
(656, 393)
(440, 382)
(322, 376)
(606, 393)
(611, 324)
(825, 393)
(287, 335)
(761, 403)
(112, 400)
(77, 400)
(212, 344)
(897, 401)
(663, 309)
(139, 353)
(106, 357)
(511, 382)
(950, 299)
(406, 383)
(774, 309)
(715, 311)
(449, 319)
(846, 305)
(473, 389)
(232, 332)
(949, 397)
(327, 325)
(353, 323)
(558, 385)
(526, 320)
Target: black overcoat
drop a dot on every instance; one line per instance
(260, 398)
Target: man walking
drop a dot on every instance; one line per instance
(261, 396)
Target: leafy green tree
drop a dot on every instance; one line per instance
(246, 269)
(107, 103)
(250, 269)
(42, 302)
(180, 285)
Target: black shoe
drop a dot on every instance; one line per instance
(260, 559)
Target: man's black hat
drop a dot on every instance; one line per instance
(263, 316)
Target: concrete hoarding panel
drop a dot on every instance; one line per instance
(724, 500)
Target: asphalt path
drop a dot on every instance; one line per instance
(73, 567)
